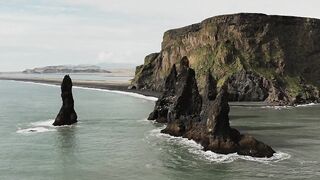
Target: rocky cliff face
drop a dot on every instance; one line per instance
(272, 58)
(181, 96)
(67, 115)
(204, 121)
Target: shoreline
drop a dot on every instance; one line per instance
(123, 87)
(114, 86)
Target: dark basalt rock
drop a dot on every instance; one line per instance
(221, 138)
(166, 102)
(211, 127)
(247, 86)
(210, 94)
(67, 114)
(181, 96)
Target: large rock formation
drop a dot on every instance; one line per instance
(272, 58)
(215, 133)
(209, 127)
(67, 115)
(181, 96)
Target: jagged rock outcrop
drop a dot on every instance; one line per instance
(207, 124)
(181, 96)
(272, 58)
(245, 85)
(67, 115)
(215, 134)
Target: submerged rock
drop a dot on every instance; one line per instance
(211, 127)
(67, 114)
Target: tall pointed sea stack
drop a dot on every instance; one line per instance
(67, 114)
(181, 97)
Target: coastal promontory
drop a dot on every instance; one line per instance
(261, 57)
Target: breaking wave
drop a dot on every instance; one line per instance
(197, 149)
(38, 127)
(290, 107)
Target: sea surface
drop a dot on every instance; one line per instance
(114, 141)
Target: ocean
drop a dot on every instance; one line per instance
(114, 141)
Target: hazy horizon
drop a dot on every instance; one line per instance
(39, 33)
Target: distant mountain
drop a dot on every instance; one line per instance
(67, 69)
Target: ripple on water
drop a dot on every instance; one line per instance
(197, 149)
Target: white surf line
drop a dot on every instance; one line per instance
(34, 130)
(290, 107)
(195, 148)
(136, 95)
(40, 127)
(305, 105)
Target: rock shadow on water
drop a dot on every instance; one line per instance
(66, 140)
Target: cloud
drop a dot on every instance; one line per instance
(105, 56)
(37, 33)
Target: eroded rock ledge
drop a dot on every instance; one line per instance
(204, 121)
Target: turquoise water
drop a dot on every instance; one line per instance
(114, 141)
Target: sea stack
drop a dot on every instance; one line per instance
(67, 114)
(181, 96)
(204, 121)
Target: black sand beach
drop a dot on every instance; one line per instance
(116, 86)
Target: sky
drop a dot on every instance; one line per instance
(35, 33)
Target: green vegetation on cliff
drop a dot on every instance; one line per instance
(261, 57)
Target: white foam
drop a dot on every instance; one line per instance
(136, 95)
(143, 120)
(42, 84)
(305, 105)
(47, 123)
(120, 92)
(290, 107)
(278, 107)
(40, 127)
(197, 149)
(34, 130)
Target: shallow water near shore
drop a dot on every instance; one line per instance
(114, 141)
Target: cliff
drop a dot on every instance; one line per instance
(264, 58)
